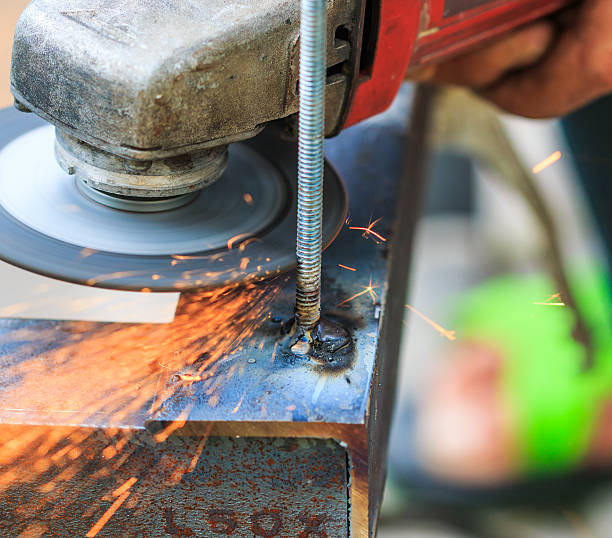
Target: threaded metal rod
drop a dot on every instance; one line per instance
(313, 40)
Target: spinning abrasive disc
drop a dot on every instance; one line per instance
(240, 228)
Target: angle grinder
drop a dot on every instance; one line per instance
(166, 166)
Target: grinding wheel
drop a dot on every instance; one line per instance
(242, 228)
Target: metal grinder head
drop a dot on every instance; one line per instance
(147, 95)
(146, 98)
(240, 228)
(175, 179)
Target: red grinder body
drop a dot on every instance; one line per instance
(403, 33)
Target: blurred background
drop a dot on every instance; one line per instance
(474, 226)
(9, 13)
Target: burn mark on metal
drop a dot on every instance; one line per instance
(333, 347)
(329, 347)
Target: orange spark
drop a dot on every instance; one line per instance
(107, 515)
(86, 252)
(235, 239)
(347, 267)
(244, 263)
(248, 199)
(61, 453)
(109, 452)
(199, 449)
(551, 159)
(369, 289)
(125, 486)
(235, 410)
(183, 257)
(208, 326)
(155, 277)
(548, 302)
(246, 243)
(119, 274)
(172, 426)
(368, 230)
(190, 377)
(444, 332)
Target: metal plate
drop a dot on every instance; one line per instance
(186, 486)
(48, 227)
(98, 376)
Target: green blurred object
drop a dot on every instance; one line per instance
(557, 402)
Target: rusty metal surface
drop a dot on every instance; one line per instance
(186, 486)
(154, 78)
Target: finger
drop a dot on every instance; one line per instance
(576, 70)
(484, 66)
(421, 73)
(552, 88)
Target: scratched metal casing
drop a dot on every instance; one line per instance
(208, 422)
(152, 79)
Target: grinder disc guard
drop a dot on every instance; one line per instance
(239, 229)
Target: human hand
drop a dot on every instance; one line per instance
(539, 71)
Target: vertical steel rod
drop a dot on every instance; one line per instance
(313, 41)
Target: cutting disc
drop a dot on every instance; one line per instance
(239, 229)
